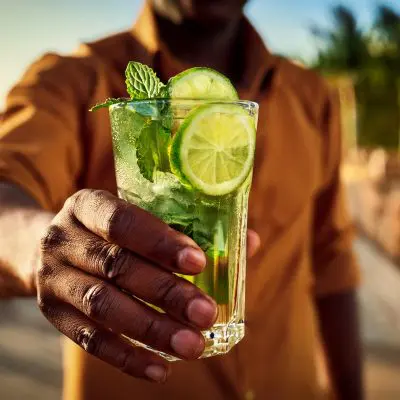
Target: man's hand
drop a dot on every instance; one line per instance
(99, 257)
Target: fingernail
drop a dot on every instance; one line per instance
(202, 312)
(187, 344)
(156, 373)
(253, 243)
(191, 260)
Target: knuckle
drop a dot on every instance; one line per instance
(120, 222)
(75, 201)
(97, 301)
(160, 245)
(99, 194)
(122, 263)
(169, 292)
(54, 237)
(112, 261)
(90, 339)
(96, 197)
(71, 202)
(151, 332)
(72, 289)
(126, 359)
(44, 272)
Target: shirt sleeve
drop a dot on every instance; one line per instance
(40, 132)
(335, 267)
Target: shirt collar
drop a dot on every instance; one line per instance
(145, 31)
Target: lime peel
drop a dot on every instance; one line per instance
(213, 149)
(201, 83)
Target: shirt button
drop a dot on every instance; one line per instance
(249, 395)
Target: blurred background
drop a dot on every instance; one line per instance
(357, 48)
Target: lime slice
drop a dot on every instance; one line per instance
(201, 83)
(213, 149)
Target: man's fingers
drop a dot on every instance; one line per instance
(253, 243)
(130, 227)
(123, 314)
(176, 296)
(106, 345)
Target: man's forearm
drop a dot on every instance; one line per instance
(22, 224)
(339, 324)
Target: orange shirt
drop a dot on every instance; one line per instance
(52, 146)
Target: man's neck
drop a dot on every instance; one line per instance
(191, 46)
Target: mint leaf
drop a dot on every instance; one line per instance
(173, 213)
(142, 82)
(164, 92)
(173, 203)
(108, 103)
(152, 150)
(144, 152)
(127, 126)
(162, 139)
(167, 117)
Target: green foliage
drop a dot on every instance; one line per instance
(373, 57)
(344, 46)
(142, 82)
(151, 150)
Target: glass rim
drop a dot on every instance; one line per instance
(188, 101)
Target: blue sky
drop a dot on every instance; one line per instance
(30, 27)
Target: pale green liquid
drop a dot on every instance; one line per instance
(219, 227)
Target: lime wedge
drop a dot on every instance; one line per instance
(213, 149)
(201, 83)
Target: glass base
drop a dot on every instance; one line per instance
(220, 339)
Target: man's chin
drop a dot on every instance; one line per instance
(215, 12)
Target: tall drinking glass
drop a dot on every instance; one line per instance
(143, 132)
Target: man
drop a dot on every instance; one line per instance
(94, 244)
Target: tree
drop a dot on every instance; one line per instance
(372, 57)
(387, 26)
(344, 47)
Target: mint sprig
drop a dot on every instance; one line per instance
(142, 82)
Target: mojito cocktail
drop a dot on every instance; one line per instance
(189, 162)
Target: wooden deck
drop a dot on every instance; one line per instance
(30, 354)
